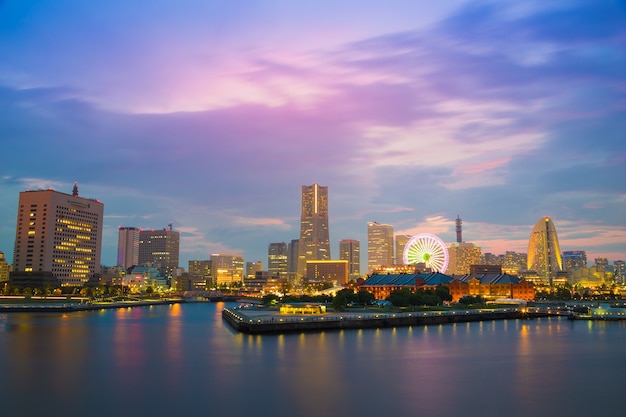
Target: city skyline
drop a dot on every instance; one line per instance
(212, 117)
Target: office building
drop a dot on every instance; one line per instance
(4, 270)
(314, 236)
(574, 259)
(160, 249)
(620, 271)
(379, 246)
(401, 241)
(350, 250)
(128, 247)
(462, 256)
(226, 270)
(601, 264)
(544, 255)
(58, 234)
(252, 268)
(292, 255)
(335, 272)
(277, 259)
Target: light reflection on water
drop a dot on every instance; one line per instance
(182, 359)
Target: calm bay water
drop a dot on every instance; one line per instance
(183, 360)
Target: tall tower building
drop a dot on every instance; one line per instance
(350, 250)
(314, 236)
(59, 233)
(401, 241)
(277, 258)
(292, 255)
(459, 229)
(160, 249)
(379, 245)
(128, 247)
(544, 254)
(620, 271)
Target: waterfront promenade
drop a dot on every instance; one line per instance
(256, 320)
(66, 305)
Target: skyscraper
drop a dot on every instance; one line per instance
(544, 254)
(59, 233)
(401, 241)
(350, 250)
(128, 247)
(160, 249)
(314, 236)
(379, 245)
(293, 249)
(277, 258)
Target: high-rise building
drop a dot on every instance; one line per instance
(277, 259)
(252, 268)
(462, 256)
(574, 259)
(544, 254)
(379, 246)
(226, 269)
(350, 250)
(160, 249)
(620, 271)
(59, 233)
(4, 269)
(128, 247)
(292, 255)
(601, 264)
(401, 241)
(314, 235)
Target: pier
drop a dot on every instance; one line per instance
(257, 321)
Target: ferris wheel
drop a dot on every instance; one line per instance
(428, 249)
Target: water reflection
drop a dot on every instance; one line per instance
(183, 360)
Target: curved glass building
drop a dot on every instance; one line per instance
(544, 254)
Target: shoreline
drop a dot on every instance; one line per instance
(70, 307)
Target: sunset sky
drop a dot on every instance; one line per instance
(212, 115)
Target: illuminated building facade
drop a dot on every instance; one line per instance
(160, 249)
(401, 241)
(544, 254)
(314, 236)
(4, 269)
(226, 269)
(379, 246)
(128, 247)
(620, 271)
(252, 268)
(277, 258)
(574, 259)
(60, 234)
(327, 271)
(601, 264)
(350, 250)
(462, 256)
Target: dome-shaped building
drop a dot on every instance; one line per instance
(544, 254)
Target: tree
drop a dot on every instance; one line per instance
(340, 301)
(365, 297)
(269, 299)
(400, 297)
(443, 292)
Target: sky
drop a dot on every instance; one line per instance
(211, 115)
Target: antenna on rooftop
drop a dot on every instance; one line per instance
(170, 225)
(75, 189)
